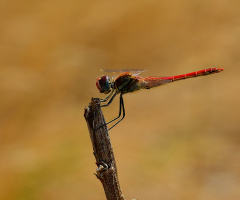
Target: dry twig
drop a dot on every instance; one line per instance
(103, 151)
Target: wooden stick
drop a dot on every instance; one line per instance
(103, 151)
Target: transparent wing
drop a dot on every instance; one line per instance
(134, 72)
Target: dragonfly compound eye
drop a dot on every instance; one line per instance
(104, 84)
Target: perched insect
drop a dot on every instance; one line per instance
(129, 81)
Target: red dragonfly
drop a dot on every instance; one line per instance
(129, 81)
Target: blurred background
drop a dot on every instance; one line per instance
(177, 142)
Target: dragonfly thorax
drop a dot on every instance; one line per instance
(104, 84)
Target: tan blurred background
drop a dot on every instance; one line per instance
(177, 142)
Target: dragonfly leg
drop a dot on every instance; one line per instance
(120, 112)
(104, 100)
(123, 109)
(119, 115)
(110, 101)
(107, 104)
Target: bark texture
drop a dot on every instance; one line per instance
(106, 170)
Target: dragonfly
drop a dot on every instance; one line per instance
(129, 81)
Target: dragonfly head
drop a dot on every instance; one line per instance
(104, 84)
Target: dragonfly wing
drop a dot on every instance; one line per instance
(134, 72)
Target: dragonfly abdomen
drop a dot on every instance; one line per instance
(151, 82)
(203, 72)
